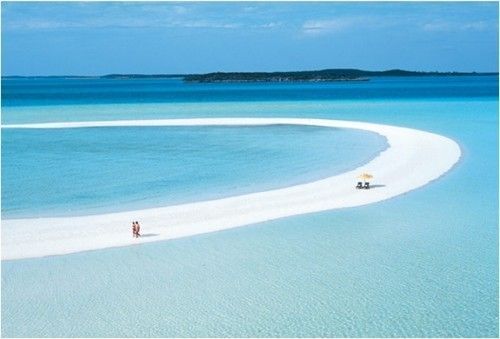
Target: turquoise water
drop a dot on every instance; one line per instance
(421, 264)
(60, 91)
(95, 170)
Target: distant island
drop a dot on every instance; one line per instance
(326, 75)
(314, 76)
(107, 76)
(142, 76)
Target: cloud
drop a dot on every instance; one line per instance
(325, 26)
(201, 24)
(450, 26)
(249, 9)
(36, 24)
(328, 26)
(270, 25)
(137, 22)
(114, 15)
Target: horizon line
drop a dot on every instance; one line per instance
(277, 71)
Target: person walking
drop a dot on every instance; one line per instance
(134, 230)
(137, 229)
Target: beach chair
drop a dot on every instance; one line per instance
(367, 185)
(360, 185)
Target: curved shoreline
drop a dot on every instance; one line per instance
(413, 159)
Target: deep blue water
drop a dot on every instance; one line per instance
(60, 91)
(423, 264)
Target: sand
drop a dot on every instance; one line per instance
(414, 158)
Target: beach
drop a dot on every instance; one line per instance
(422, 263)
(249, 170)
(414, 158)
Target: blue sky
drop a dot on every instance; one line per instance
(90, 38)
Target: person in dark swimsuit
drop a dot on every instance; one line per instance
(137, 229)
(134, 230)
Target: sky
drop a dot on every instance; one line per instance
(95, 38)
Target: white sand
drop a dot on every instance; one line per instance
(414, 158)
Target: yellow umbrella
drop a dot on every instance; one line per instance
(365, 176)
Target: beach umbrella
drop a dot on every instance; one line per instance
(365, 176)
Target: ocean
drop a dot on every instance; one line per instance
(421, 264)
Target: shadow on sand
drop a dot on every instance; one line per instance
(149, 235)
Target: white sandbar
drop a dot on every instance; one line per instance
(414, 158)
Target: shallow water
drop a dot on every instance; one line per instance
(422, 264)
(54, 172)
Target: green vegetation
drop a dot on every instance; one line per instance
(312, 76)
